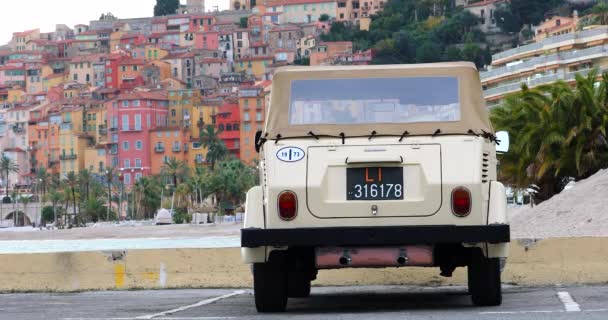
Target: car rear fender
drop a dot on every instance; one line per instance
(254, 218)
(497, 214)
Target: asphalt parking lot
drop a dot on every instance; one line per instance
(381, 302)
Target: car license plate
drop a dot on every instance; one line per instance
(376, 183)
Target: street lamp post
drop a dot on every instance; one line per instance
(109, 180)
(122, 187)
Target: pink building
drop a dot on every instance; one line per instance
(206, 40)
(131, 117)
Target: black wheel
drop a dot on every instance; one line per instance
(484, 280)
(298, 285)
(270, 284)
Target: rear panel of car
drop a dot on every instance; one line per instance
(328, 178)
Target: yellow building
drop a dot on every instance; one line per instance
(51, 81)
(15, 94)
(181, 103)
(95, 159)
(255, 66)
(155, 53)
(72, 140)
(115, 39)
(202, 116)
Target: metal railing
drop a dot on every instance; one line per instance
(550, 42)
(68, 157)
(561, 58)
(531, 83)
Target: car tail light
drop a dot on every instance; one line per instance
(461, 202)
(288, 205)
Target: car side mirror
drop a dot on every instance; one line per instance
(258, 142)
(502, 138)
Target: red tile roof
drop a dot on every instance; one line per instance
(213, 60)
(53, 76)
(24, 33)
(143, 95)
(132, 62)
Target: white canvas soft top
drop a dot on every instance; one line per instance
(473, 118)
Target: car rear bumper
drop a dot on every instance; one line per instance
(374, 236)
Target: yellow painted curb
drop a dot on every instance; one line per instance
(551, 261)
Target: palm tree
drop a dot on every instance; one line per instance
(216, 149)
(7, 166)
(44, 179)
(174, 168)
(601, 12)
(148, 191)
(558, 132)
(71, 181)
(84, 177)
(55, 196)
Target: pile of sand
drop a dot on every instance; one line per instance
(578, 212)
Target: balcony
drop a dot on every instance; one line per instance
(556, 59)
(53, 162)
(131, 130)
(551, 43)
(113, 129)
(65, 157)
(18, 130)
(103, 131)
(514, 87)
(159, 149)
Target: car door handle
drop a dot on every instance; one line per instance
(374, 159)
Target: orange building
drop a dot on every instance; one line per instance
(44, 145)
(252, 103)
(326, 53)
(167, 143)
(130, 73)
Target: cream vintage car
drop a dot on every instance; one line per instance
(372, 167)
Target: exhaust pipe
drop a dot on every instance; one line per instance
(344, 260)
(374, 257)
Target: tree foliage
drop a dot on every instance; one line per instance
(416, 32)
(231, 181)
(7, 166)
(216, 149)
(558, 132)
(512, 16)
(165, 7)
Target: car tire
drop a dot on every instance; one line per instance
(298, 285)
(484, 280)
(270, 285)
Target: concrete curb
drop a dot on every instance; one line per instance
(544, 262)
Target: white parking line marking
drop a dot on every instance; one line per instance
(569, 303)
(173, 318)
(198, 304)
(521, 312)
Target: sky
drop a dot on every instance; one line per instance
(21, 15)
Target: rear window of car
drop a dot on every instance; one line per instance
(374, 100)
